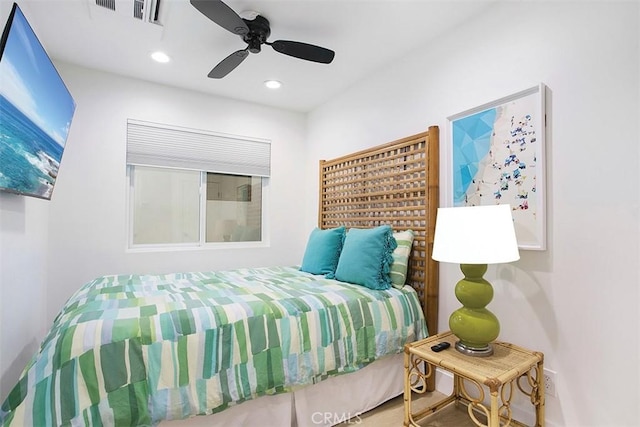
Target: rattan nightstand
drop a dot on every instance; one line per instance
(508, 368)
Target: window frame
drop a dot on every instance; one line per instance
(201, 244)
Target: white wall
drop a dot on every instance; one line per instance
(23, 281)
(577, 301)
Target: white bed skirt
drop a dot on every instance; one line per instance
(325, 404)
(337, 399)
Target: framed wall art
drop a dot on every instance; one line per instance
(497, 156)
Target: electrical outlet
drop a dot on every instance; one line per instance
(550, 383)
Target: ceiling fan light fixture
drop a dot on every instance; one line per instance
(273, 84)
(161, 57)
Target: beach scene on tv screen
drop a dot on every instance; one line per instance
(35, 114)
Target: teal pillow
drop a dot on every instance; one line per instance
(323, 251)
(366, 257)
(401, 254)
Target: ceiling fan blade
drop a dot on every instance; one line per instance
(303, 51)
(222, 15)
(228, 64)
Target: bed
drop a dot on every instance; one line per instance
(263, 346)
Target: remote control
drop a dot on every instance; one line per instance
(440, 346)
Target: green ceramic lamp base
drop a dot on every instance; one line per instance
(473, 324)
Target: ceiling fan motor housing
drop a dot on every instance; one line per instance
(259, 31)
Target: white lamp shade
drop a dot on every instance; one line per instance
(475, 235)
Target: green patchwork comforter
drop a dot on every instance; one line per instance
(134, 350)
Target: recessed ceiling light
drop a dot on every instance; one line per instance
(160, 57)
(272, 84)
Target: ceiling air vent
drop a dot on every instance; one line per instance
(109, 4)
(144, 10)
(138, 9)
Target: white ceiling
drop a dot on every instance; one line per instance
(365, 34)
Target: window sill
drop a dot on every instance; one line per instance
(196, 247)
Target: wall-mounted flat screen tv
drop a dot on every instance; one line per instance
(36, 109)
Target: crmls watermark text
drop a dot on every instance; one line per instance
(332, 418)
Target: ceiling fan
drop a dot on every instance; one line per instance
(255, 33)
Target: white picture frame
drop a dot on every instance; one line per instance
(497, 156)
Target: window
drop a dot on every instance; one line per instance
(166, 205)
(166, 208)
(234, 208)
(189, 188)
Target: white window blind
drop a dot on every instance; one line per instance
(153, 144)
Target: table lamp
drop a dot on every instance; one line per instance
(473, 237)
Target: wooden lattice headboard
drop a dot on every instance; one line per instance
(395, 184)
